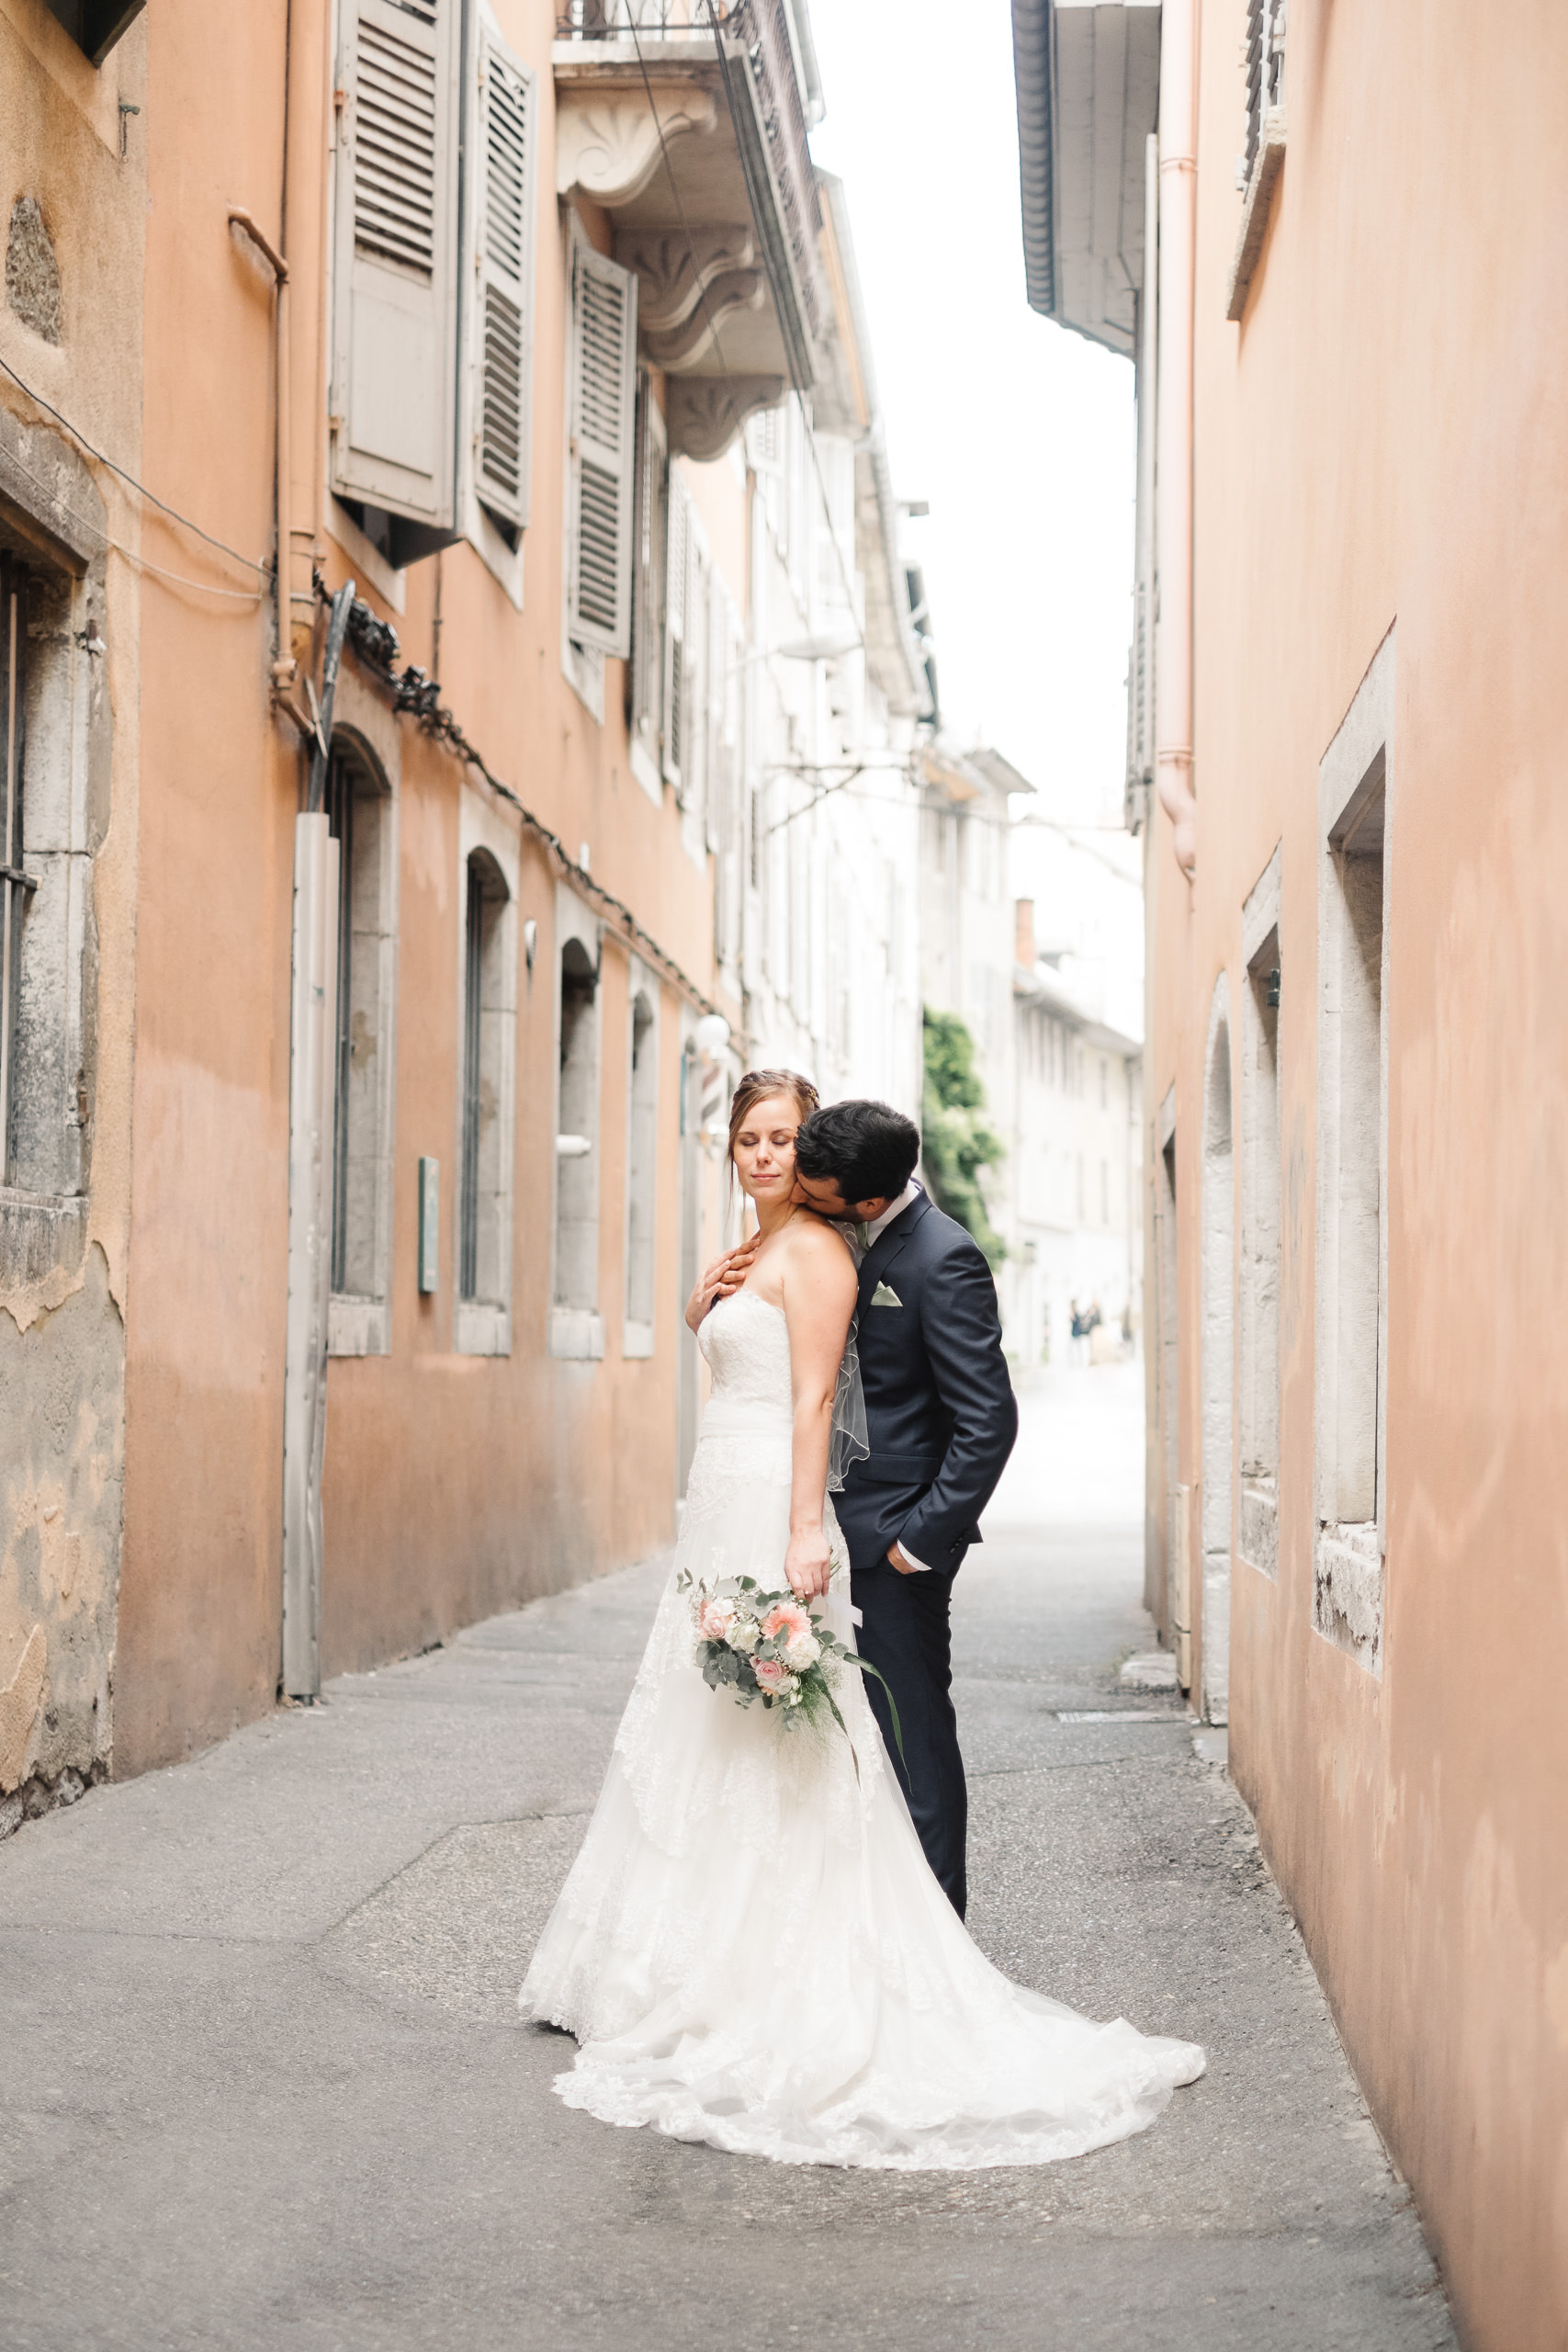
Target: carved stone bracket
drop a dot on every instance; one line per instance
(607, 143)
(670, 288)
(684, 346)
(703, 413)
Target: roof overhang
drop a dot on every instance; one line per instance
(1087, 81)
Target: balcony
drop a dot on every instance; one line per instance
(731, 302)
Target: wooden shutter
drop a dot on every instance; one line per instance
(504, 280)
(604, 361)
(394, 345)
(677, 555)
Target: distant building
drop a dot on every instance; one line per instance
(1061, 1081)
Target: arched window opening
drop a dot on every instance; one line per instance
(359, 816)
(483, 1224)
(577, 1134)
(641, 1159)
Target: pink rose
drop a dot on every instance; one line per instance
(773, 1675)
(715, 1619)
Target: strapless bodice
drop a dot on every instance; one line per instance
(746, 1341)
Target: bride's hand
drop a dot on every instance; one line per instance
(724, 1276)
(808, 1564)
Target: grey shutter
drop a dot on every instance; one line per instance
(394, 348)
(676, 537)
(504, 281)
(603, 362)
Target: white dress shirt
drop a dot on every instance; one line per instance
(873, 1233)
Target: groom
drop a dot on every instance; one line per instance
(940, 1421)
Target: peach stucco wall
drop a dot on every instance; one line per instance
(454, 1485)
(1382, 442)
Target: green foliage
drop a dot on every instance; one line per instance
(957, 1139)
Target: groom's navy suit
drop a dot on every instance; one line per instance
(941, 1420)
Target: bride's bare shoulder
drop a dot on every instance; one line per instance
(816, 1245)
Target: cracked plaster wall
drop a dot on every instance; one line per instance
(70, 329)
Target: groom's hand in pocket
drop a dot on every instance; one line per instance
(895, 1559)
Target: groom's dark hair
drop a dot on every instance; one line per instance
(868, 1150)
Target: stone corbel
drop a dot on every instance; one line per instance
(684, 346)
(607, 143)
(703, 413)
(673, 277)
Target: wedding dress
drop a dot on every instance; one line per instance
(750, 1947)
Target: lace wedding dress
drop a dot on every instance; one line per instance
(750, 1947)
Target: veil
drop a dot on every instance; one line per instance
(847, 1443)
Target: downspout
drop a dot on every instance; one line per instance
(1178, 251)
(283, 666)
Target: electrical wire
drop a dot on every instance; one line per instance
(415, 693)
(140, 488)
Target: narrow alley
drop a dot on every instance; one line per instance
(266, 2085)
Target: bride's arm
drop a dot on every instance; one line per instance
(820, 1298)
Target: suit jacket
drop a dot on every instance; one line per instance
(940, 1414)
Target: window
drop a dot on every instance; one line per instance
(17, 885)
(576, 1327)
(1264, 62)
(359, 815)
(1263, 143)
(46, 911)
(1105, 1191)
(1352, 1126)
(394, 327)
(504, 270)
(1104, 1083)
(1217, 1358)
(96, 25)
(642, 1151)
(487, 1043)
(645, 672)
(601, 408)
(1261, 1227)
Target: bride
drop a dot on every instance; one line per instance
(750, 1946)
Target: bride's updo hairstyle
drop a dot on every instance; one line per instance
(756, 1087)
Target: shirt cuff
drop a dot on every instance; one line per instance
(923, 1565)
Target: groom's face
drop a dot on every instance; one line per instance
(822, 1193)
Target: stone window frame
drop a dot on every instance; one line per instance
(576, 1328)
(1216, 1386)
(1262, 1221)
(53, 518)
(482, 1326)
(1356, 772)
(359, 1323)
(642, 1208)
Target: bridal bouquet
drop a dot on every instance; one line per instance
(768, 1645)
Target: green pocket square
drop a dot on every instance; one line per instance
(883, 1296)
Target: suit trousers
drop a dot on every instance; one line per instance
(905, 1633)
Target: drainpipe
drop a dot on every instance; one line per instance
(284, 666)
(1177, 244)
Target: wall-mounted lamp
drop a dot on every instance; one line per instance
(573, 1146)
(530, 942)
(711, 1034)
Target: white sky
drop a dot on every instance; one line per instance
(1018, 433)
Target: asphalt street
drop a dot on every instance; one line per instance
(264, 2084)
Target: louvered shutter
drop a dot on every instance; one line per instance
(677, 555)
(604, 361)
(394, 345)
(504, 280)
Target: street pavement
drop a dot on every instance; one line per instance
(265, 2084)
